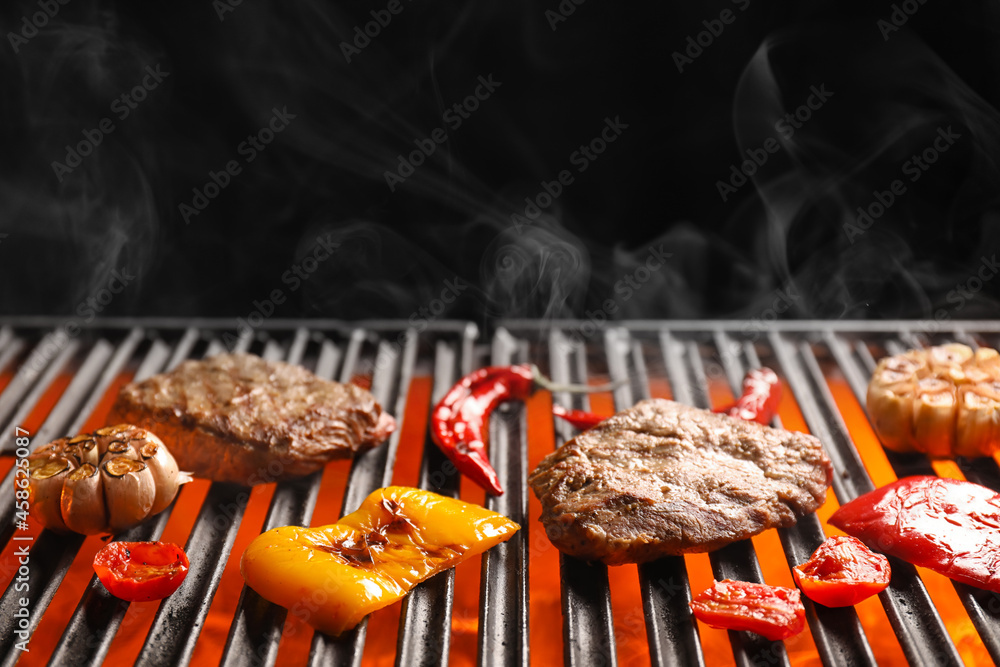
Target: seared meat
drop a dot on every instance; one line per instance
(663, 479)
(239, 418)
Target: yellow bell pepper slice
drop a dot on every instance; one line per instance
(333, 576)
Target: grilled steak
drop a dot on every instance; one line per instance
(239, 418)
(663, 479)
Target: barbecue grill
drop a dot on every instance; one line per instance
(504, 610)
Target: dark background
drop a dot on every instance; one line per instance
(781, 235)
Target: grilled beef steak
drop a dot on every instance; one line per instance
(663, 479)
(239, 418)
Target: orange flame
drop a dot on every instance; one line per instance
(545, 611)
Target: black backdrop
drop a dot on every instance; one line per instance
(119, 120)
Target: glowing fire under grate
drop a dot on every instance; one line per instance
(505, 609)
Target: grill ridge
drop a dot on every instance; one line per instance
(424, 637)
(923, 637)
(371, 469)
(666, 594)
(838, 634)
(588, 626)
(806, 354)
(983, 607)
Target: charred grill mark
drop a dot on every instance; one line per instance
(118, 447)
(375, 541)
(399, 522)
(357, 555)
(376, 538)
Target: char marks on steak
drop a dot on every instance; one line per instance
(239, 418)
(662, 478)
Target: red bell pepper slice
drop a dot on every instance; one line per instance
(136, 571)
(772, 611)
(842, 572)
(946, 525)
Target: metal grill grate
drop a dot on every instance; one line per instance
(77, 375)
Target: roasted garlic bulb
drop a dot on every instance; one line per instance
(943, 401)
(102, 482)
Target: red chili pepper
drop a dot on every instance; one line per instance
(141, 570)
(761, 395)
(759, 402)
(946, 525)
(842, 572)
(458, 421)
(771, 611)
(578, 418)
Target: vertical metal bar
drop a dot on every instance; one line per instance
(27, 378)
(902, 464)
(10, 350)
(588, 621)
(87, 637)
(55, 420)
(666, 593)
(425, 621)
(52, 553)
(371, 470)
(921, 633)
(982, 606)
(503, 585)
(155, 359)
(401, 390)
(837, 631)
(78, 388)
(297, 349)
(98, 615)
(89, 396)
(179, 618)
(183, 348)
(736, 561)
(255, 633)
(18, 399)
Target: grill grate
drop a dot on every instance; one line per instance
(78, 375)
